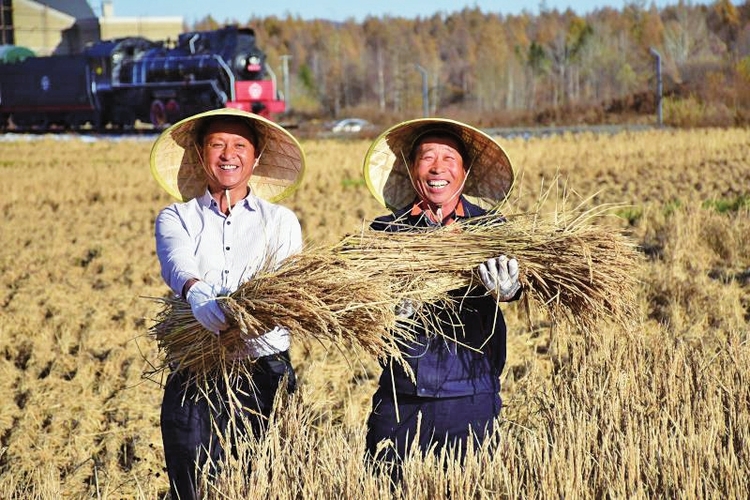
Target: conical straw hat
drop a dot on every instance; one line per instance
(488, 184)
(176, 167)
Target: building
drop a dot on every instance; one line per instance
(60, 27)
(153, 28)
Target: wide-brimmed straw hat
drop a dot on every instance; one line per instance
(177, 168)
(488, 184)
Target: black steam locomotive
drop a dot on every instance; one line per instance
(114, 83)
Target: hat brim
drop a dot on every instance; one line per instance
(177, 168)
(488, 184)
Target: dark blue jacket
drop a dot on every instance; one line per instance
(444, 368)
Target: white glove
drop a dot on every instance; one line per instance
(500, 277)
(406, 308)
(202, 300)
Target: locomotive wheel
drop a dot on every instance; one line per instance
(173, 111)
(74, 121)
(158, 114)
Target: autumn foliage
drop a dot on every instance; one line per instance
(552, 68)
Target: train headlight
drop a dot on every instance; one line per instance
(253, 64)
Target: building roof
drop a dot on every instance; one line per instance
(80, 9)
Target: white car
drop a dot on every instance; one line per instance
(350, 125)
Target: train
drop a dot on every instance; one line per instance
(115, 84)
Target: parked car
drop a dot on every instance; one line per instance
(350, 125)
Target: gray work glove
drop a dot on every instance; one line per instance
(202, 300)
(500, 277)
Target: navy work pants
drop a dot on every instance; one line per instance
(442, 422)
(191, 421)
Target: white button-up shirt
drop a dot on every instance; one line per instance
(196, 240)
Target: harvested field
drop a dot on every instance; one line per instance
(660, 408)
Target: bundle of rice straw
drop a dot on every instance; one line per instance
(578, 271)
(346, 295)
(316, 295)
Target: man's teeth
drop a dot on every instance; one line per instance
(437, 184)
(228, 167)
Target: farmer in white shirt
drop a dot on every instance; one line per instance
(227, 168)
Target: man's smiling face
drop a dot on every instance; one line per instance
(229, 156)
(437, 170)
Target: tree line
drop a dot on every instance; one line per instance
(554, 67)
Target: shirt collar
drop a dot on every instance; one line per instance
(250, 202)
(419, 207)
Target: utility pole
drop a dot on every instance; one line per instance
(659, 117)
(425, 93)
(285, 70)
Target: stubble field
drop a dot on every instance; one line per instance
(661, 409)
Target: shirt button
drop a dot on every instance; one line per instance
(226, 248)
(226, 271)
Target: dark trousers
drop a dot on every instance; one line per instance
(441, 423)
(192, 421)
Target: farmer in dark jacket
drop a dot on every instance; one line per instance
(433, 172)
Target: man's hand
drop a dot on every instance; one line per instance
(206, 310)
(500, 277)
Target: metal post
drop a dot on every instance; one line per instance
(659, 116)
(285, 68)
(425, 94)
(4, 28)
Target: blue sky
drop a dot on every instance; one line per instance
(339, 10)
